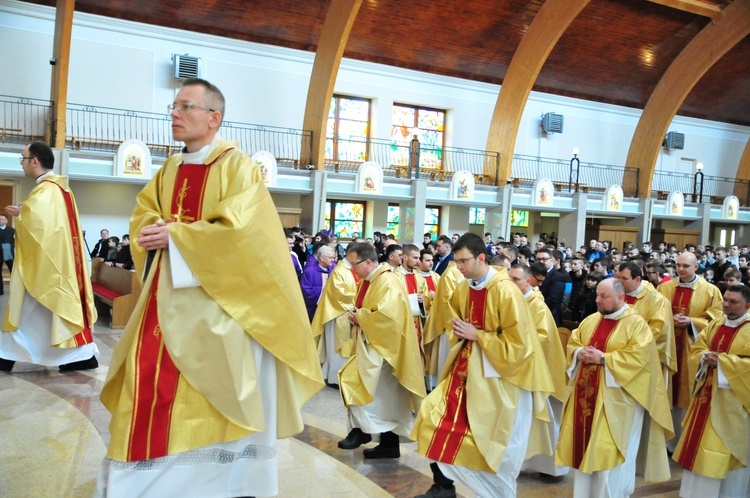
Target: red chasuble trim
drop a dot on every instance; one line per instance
(454, 424)
(85, 336)
(696, 423)
(630, 300)
(430, 283)
(586, 392)
(156, 375)
(411, 283)
(680, 304)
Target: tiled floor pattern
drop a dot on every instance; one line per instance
(54, 431)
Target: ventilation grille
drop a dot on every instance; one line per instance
(674, 141)
(552, 123)
(186, 66)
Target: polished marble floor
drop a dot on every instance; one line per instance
(54, 432)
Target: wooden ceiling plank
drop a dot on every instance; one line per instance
(708, 46)
(705, 9)
(544, 32)
(336, 29)
(61, 58)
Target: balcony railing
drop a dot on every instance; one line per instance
(712, 189)
(24, 120)
(571, 176)
(434, 163)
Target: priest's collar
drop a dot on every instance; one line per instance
(736, 321)
(406, 270)
(687, 284)
(393, 268)
(616, 314)
(41, 177)
(482, 282)
(199, 156)
(635, 292)
(425, 273)
(529, 294)
(373, 272)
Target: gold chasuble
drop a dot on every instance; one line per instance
(598, 417)
(50, 264)
(467, 419)
(385, 333)
(441, 315)
(183, 375)
(656, 309)
(335, 302)
(716, 431)
(550, 341)
(702, 303)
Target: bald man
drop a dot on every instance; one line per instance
(695, 303)
(615, 387)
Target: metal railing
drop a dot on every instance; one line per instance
(711, 189)
(24, 120)
(434, 163)
(572, 176)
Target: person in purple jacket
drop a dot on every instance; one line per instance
(315, 276)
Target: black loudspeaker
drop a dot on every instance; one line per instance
(552, 123)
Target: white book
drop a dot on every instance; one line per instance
(182, 276)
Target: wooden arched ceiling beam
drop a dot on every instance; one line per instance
(61, 58)
(333, 38)
(688, 68)
(742, 190)
(699, 7)
(545, 30)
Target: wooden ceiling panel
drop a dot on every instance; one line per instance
(614, 52)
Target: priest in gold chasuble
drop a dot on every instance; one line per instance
(50, 315)
(475, 425)
(382, 382)
(714, 448)
(218, 356)
(615, 385)
(695, 302)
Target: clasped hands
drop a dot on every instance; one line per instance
(464, 330)
(154, 236)
(589, 355)
(711, 359)
(353, 317)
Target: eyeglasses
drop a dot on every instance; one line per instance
(24, 158)
(187, 107)
(359, 262)
(542, 260)
(461, 262)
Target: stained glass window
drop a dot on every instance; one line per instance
(477, 216)
(345, 218)
(428, 125)
(431, 220)
(347, 130)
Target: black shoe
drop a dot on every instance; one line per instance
(89, 364)
(550, 479)
(6, 365)
(388, 447)
(332, 386)
(437, 491)
(355, 439)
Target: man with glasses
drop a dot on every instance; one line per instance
(218, 355)
(383, 380)
(51, 314)
(475, 425)
(315, 276)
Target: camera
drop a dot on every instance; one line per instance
(53, 61)
(310, 167)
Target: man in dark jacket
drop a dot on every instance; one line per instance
(553, 287)
(102, 246)
(7, 236)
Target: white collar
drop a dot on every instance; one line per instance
(368, 277)
(199, 156)
(481, 285)
(635, 292)
(617, 313)
(41, 177)
(688, 284)
(737, 321)
(529, 294)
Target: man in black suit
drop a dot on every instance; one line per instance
(553, 287)
(102, 246)
(444, 254)
(7, 236)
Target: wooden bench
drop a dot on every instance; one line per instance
(116, 288)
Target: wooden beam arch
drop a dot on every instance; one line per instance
(688, 68)
(545, 30)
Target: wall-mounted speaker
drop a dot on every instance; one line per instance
(552, 123)
(674, 141)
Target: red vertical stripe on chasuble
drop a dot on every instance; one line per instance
(696, 425)
(586, 392)
(454, 424)
(84, 336)
(680, 304)
(631, 300)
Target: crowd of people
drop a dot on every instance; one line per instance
(617, 399)
(456, 344)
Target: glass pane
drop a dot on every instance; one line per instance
(354, 129)
(432, 230)
(329, 148)
(403, 116)
(345, 229)
(328, 211)
(392, 228)
(392, 216)
(330, 128)
(352, 151)
(332, 109)
(431, 216)
(327, 224)
(354, 109)
(477, 216)
(431, 120)
(431, 139)
(401, 134)
(430, 158)
(349, 211)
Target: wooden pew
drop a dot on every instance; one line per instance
(116, 288)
